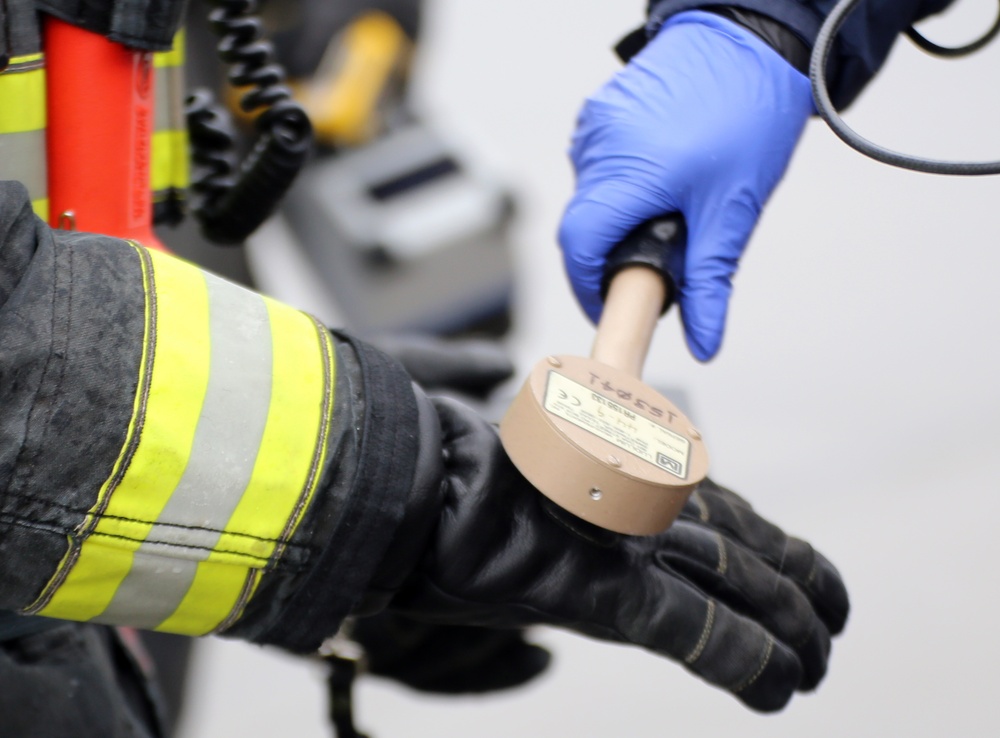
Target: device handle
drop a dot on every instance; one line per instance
(639, 285)
(99, 99)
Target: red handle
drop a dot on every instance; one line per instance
(100, 131)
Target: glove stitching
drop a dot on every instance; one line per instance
(749, 595)
(723, 556)
(735, 532)
(757, 610)
(706, 631)
(768, 650)
(699, 501)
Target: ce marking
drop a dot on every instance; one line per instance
(563, 395)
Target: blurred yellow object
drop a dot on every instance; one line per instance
(359, 69)
(363, 67)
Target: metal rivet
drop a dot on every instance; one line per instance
(694, 434)
(614, 461)
(554, 361)
(66, 221)
(595, 494)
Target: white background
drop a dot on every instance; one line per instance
(855, 402)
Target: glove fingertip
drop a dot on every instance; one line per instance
(831, 599)
(703, 347)
(771, 687)
(703, 341)
(703, 311)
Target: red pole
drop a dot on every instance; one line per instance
(100, 129)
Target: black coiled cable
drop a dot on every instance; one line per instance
(213, 144)
(824, 106)
(231, 204)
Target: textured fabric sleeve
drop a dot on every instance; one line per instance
(180, 454)
(141, 24)
(862, 44)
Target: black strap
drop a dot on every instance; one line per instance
(793, 49)
(345, 659)
(779, 37)
(340, 683)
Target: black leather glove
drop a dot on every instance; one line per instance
(448, 659)
(724, 592)
(435, 657)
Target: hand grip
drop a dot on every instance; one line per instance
(656, 245)
(639, 285)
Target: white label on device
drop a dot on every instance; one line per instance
(617, 424)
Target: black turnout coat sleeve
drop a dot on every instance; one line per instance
(862, 45)
(142, 24)
(120, 506)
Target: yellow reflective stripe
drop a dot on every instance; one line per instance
(226, 441)
(180, 372)
(296, 412)
(212, 494)
(22, 127)
(22, 95)
(174, 57)
(170, 167)
(293, 346)
(176, 391)
(290, 457)
(26, 59)
(217, 590)
(41, 208)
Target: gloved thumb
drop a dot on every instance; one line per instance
(713, 251)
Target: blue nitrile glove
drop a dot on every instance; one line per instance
(702, 121)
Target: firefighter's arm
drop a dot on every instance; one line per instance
(180, 454)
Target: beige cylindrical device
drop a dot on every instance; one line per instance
(587, 432)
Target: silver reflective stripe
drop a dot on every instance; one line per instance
(226, 443)
(22, 157)
(168, 113)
